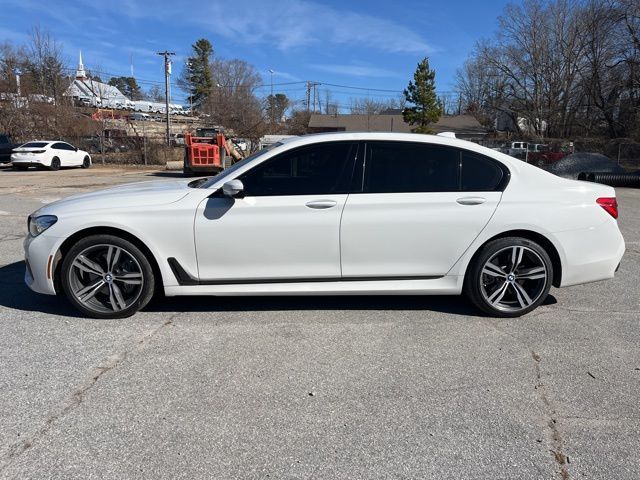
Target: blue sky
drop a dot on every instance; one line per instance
(372, 45)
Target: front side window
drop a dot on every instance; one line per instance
(397, 167)
(319, 169)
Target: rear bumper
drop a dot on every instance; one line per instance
(591, 254)
(26, 161)
(28, 164)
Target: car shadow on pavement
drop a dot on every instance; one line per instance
(443, 304)
(15, 294)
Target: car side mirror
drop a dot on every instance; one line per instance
(233, 189)
(76, 149)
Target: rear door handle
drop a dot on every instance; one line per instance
(471, 200)
(321, 204)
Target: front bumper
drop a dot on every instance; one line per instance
(39, 256)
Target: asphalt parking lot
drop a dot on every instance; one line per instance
(349, 387)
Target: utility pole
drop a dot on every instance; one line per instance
(271, 103)
(271, 72)
(316, 98)
(17, 72)
(167, 72)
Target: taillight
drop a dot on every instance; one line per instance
(609, 204)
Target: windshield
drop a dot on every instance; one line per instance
(236, 166)
(34, 145)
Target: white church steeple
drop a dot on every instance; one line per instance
(80, 73)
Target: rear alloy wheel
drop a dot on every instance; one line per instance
(510, 277)
(55, 164)
(105, 276)
(86, 163)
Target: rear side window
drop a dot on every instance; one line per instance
(480, 174)
(323, 168)
(395, 167)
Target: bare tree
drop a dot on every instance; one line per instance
(233, 102)
(558, 67)
(46, 63)
(372, 106)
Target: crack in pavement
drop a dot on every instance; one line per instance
(77, 396)
(595, 310)
(11, 237)
(556, 441)
(556, 438)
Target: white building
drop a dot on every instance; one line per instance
(95, 94)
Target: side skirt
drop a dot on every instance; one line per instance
(441, 285)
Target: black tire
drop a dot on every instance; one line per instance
(55, 164)
(86, 162)
(513, 283)
(119, 290)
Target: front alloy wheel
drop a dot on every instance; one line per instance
(107, 277)
(510, 277)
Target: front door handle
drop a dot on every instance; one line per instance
(471, 200)
(321, 204)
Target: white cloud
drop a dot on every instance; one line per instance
(286, 24)
(285, 76)
(298, 23)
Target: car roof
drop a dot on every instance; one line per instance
(393, 136)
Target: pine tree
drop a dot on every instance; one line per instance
(424, 107)
(127, 86)
(196, 77)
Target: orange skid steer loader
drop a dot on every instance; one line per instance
(207, 152)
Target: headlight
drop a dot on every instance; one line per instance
(37, 225)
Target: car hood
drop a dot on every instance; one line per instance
(122, 196)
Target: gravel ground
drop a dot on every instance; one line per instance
(343, 387)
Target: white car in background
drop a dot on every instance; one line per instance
(333, 214)
(51, 154)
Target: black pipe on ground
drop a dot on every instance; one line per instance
(612, 179)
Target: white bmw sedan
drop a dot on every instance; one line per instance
(49, 154)
(333, 214)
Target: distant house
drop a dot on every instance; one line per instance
(95, 94)
(464, 126)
